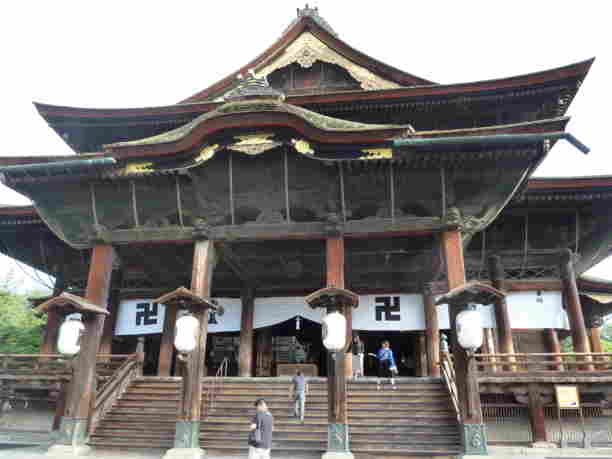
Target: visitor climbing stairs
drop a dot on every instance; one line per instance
(414, 418)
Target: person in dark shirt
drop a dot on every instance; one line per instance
(358, 350)
(299, 389)
(260, 445)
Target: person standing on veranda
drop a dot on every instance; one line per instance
(299, 390)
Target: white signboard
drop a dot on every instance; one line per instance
(230, 320)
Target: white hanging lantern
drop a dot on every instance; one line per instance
(185, 337)
(334, 332)
(69, 335)
(469, 329)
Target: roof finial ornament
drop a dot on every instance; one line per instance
(313, 13)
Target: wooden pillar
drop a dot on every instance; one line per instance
(536, 414)
(245, 357)
(473, 436)
(502, 316)
(432, 332)
(338, 435)
(188, 424)
(580, 338)
(106, 342)
(54, 320)
(554, 347)
(348, 356)
(421, 366)
(596, 344)
(166, 345)
(488, 347)
(83, 388)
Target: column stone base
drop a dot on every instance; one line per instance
(337, 442)
(72, 432)
(187, 435)
(474, 439)
(185, 453)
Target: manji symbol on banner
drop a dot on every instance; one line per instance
(387, 306)
(146, 314)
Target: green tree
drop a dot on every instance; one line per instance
(20, 328)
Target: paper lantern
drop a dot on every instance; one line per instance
(69, 335)
(185, 338)
(334, 332)
(469, 329)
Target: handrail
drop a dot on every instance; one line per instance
(12, 366)
(549, 362)
(448, 375)
(115, 387)
(211, 392)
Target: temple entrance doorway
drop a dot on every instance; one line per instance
(281, 348)
(404, 346)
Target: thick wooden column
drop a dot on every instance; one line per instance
(580, 338)
(188, 424)
(54, 320)
(554, 347)
(106, 342)
(596, 344)
(502, 316)
(166, 346)
(245, 356)
(536, 414)
(473, 432)
(83, 388)
(421, 367)
(338, 434)
(432, 332)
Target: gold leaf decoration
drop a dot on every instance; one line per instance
(137, 168)
(377, 153)
(206, 153)
(302, 146)
(254, 144)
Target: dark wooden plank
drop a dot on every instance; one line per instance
(245, 356)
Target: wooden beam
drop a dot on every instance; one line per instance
(383, 228)
(245, 355)
(573, 306)
(188, 423)
(432, 332)
(83, 388)
(502, 315)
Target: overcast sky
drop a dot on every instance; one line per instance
(136, 53)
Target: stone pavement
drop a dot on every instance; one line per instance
(12, 452)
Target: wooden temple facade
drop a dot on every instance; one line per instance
(316, 168)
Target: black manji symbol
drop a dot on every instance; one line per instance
(383, 305)
(146, 314)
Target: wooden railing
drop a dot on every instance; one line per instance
(116, 385)
(214, 388)
(492, 364)
(107, 365)
(35, 366)
(448, 375)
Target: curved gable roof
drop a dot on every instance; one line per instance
(309, 23)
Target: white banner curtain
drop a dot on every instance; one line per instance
(387, 312)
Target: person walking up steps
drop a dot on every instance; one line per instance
(299, 390)
(386, 364)
(260, 435)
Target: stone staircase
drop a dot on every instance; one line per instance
(414, 419)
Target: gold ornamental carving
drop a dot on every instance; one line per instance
(254, 144)
(206, 153)
(302, 146)
(376, 153)
(308, 49)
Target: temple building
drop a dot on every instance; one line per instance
(317, 179)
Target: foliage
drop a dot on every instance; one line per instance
(20, 329)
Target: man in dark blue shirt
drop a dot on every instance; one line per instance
(260, 437)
